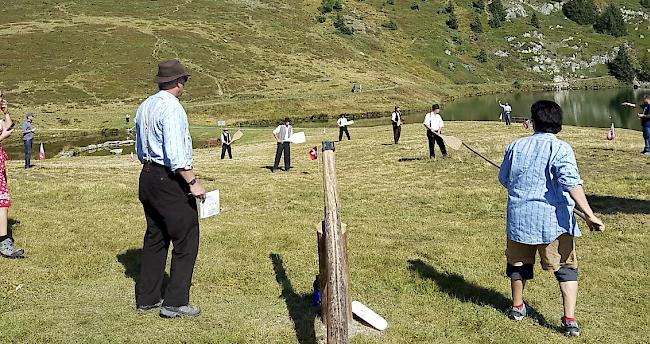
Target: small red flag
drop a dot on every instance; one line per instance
(313, 153)
(41, 153)
(526, 124)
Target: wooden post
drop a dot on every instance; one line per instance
(336, 298)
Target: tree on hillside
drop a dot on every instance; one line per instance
(611, 22)
(621, 67)
(583, 12)
(482, 56)
(452, 22)
(534, 21)
(478, 5)
(498, 13)
(643, 73)
(645, 3)
(476, 25)
(327, 6)
(339, 24)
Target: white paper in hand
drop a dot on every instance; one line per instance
(298, 138)
(211, 205)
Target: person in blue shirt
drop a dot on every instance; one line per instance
(645, 122)
(168, 190)
(541, 175)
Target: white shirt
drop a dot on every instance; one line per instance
(433, 121)
(286, 130)
(342, 122)
(397, 118)
(506, 108)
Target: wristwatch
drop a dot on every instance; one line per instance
(192, 182)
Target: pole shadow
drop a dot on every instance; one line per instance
(613, 205)
(299, 306)
(457, 287)
(130, 259)
(415, 158)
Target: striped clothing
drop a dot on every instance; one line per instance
(538, 172)
(162, 132)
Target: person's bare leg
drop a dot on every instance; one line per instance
(569, 297)
(517, 287)
(3, 221)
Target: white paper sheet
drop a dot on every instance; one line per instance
(210, 206)
(298, 138)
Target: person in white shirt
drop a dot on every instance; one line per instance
(506, 110)
(343, 127)
(433, 122)
(396, 120)
(226, 141)
(282, 133)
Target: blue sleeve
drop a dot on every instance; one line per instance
(504, 171)
(565, 169)
(174, 128)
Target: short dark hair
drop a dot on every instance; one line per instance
(287, 120)
(546, 116)
(171, 84)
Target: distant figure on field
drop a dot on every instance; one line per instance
(226, 141)
(7, 246)
(28, 130)
(645, 122)
(396, 120)
(168, 190)
(506, 109)
(282, 133)
(541, 175)
(343, 127)
(433, 122)
(127, 119)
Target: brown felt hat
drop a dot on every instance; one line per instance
(169, 70)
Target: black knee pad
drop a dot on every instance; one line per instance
(524, 272)
(565, 274)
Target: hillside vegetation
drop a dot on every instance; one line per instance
(87, 63)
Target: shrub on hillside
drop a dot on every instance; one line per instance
(534, 21)
(389, 24)
(611, 22)
(390, 2)
(478, 5)
(452, 22)
(328, 6)
(476, 25)
(645, 3)
(450, 8)
(497, 12)
(415, 7)
(321, 18)
(583, 12)
(482, 56)
(621, 67)
(643, 73)
(339, 24)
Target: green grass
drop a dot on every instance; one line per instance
(426, 241)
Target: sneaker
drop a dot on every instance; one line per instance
(173, 312)
(144, 308)
(519, 314)
(570, 327)
(9, 250)
(646, 153)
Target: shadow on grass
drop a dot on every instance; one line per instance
(457, 287)
(409, 158)
(299, 305)
(613, 205)
(130, 259)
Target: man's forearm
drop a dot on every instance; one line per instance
(578, 195)
(187, 175)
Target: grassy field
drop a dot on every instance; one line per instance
(426, 241)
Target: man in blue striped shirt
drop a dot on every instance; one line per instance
(168, 190)
(541, 175)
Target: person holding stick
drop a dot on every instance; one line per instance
(8, 248)
(226, 143)
(396, 120)
(433, 122)
(342, 122)
(645, 122)
(541, 175)
(282, 133)
(168, 190)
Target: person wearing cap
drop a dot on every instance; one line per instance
(27, 129)
(168, 190)
(226, 141)
(396, 120)
(282, 133)
(433, 122)
(342, 122)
